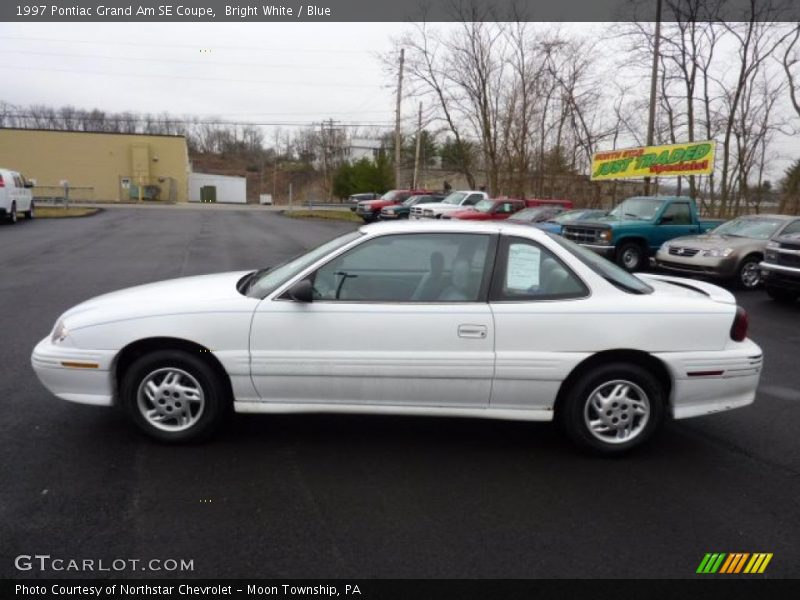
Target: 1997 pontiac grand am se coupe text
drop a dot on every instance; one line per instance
(424, 318)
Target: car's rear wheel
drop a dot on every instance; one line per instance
(612, 408)
(29, 213)
(748, 275)
(631, 257)
(12, 214)
(174, 396)
(781, 294)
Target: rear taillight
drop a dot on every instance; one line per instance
(2, 183)
(740, 323)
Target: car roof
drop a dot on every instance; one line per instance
(450, 226)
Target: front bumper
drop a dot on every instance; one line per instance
(73, 374)
(391, 217)
(780, 276)
(707, 266)
(603, 250)
(709, 382)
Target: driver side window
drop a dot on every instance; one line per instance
(438, 267)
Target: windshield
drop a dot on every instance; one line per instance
(642, 209)
(454, 198)
(391, 195)
(411, 201)
(267, 281)
(484, 206)
(605, 268)
(527, 214)
(759, 229)
(574, 215)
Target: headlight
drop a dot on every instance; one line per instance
(605, 236)
(718, 252)
(59, 334)
(427, 211)
(664, 247)
(388, 211)
(773, 245)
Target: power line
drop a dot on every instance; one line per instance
(191, 78)
(193, 46)
(176, 61)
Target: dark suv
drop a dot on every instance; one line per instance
(780, 269)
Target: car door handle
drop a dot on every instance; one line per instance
(472, 331)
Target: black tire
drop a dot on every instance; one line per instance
(572, 412)
(631, 256)
(29, 213)
(744, 273)
(12, 214)
(781, 294)
(216, 401)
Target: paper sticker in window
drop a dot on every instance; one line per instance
(523, 267)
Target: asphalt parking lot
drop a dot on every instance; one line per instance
(361, 496)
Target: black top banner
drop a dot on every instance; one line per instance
(397, 10)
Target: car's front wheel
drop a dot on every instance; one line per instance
(612, 408)
(748, 275)
(174, 396)
(631, 257)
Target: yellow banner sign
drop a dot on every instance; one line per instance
(694, 158)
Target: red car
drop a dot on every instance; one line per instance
(489, 210)
(370, 210)
(565, 204)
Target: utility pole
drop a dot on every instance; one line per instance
(397, 119)
(324, 159)
(416, 152)
(651, 121)
(275, 172)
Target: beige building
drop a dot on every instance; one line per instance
(99, 166)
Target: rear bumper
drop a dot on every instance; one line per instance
(75, 375)
(709, 382)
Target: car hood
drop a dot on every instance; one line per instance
(710, 240)
(203, 293)
(789, 238)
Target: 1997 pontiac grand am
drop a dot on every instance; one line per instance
(424, 318)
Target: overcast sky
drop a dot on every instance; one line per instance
(270, 72)
(248, 72)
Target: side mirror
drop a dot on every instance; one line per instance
(28, 184)
(302, 291)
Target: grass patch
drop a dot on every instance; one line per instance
(331, 215)
(60, 212)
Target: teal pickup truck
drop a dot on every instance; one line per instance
(637, 227)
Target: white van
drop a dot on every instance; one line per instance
(16, 196)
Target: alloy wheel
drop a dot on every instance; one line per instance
(170, 399)
(750, 275)
(617, 411)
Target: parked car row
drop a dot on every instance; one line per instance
(16, 196)
(746, 251)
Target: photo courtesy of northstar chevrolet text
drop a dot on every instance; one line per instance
(388, 301)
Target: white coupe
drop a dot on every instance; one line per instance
(439, 318)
